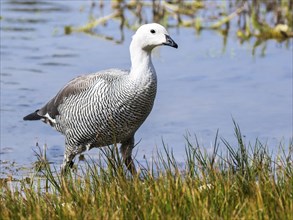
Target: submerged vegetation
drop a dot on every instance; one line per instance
(247, 182)
(259, 20)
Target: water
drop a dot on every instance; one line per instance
(202, 84)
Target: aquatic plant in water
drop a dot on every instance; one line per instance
(259, 20)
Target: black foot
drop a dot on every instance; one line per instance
(70, 164)
(65, 167)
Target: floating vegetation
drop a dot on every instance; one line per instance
(261, 20)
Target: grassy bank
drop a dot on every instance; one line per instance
(246, 182)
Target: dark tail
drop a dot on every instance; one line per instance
(32, 116)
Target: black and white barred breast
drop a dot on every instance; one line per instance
(103, 108)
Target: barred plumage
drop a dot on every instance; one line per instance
(109, 106)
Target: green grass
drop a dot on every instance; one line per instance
(244, 183)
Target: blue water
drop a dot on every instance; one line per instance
(202, 85)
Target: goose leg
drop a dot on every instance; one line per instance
(67, 161)
(126, 150)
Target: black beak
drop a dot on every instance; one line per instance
(170, 42)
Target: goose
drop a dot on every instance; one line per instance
(107, 107)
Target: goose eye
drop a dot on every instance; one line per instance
(153, 31)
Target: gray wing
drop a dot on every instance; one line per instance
(75, 87)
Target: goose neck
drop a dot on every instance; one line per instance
(141, 61)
